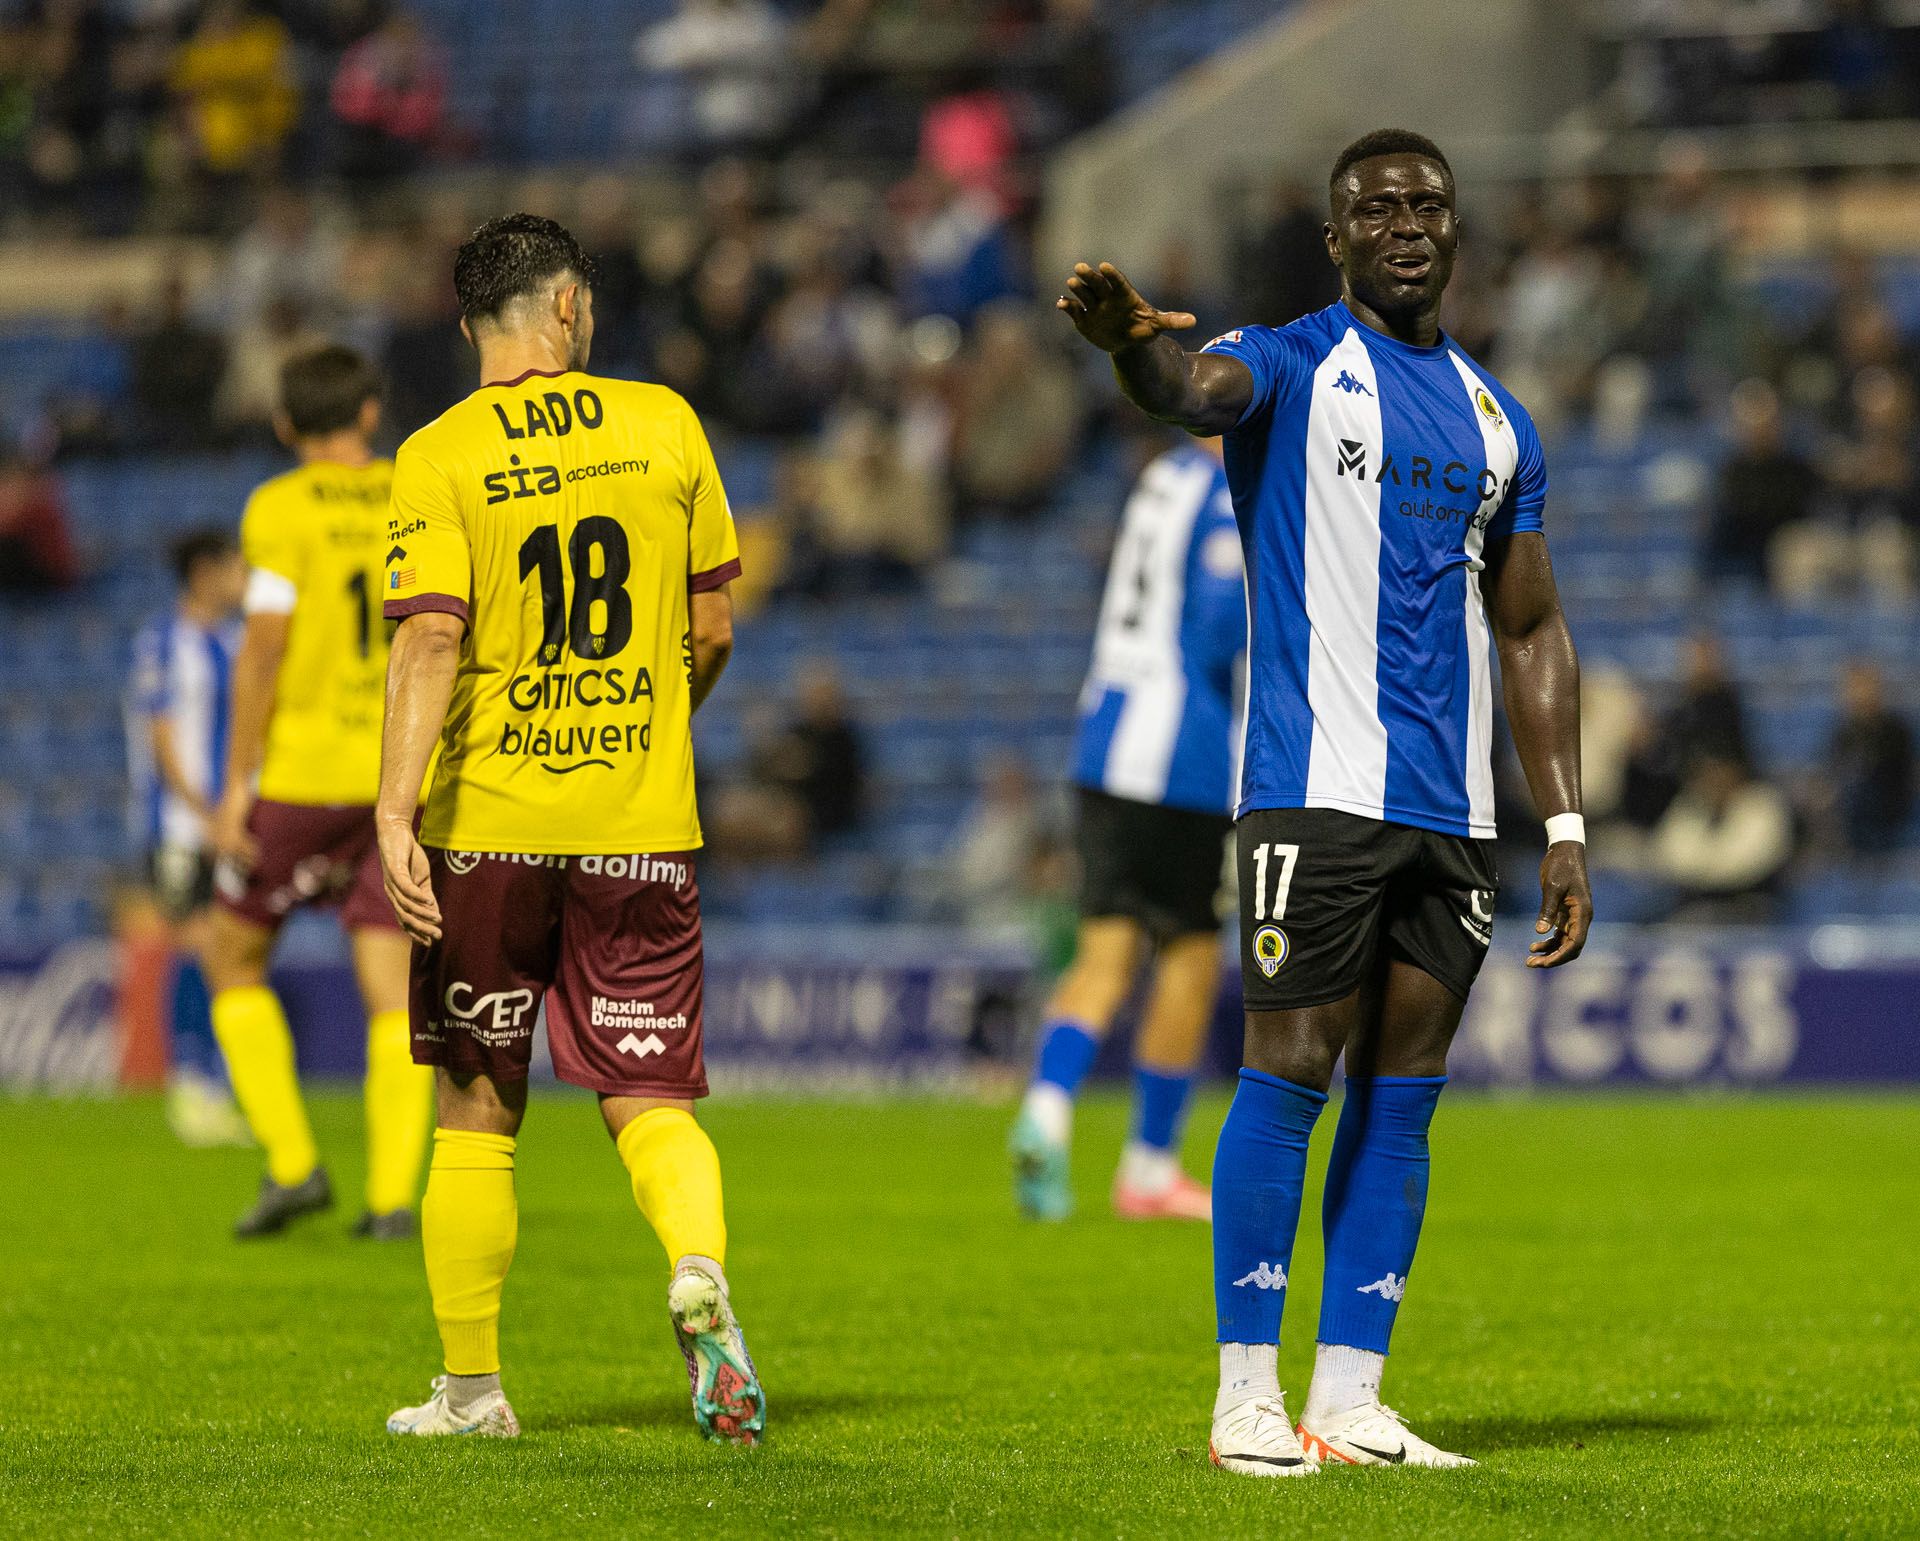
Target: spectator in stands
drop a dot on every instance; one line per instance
(729, 68)
(250, 393)
(389, 99)
(1709, 721)
(804, 780)
(1681, 240)
(1864, 795)
(996, 852)
(1016, 418)
(819, 757)
(37, 555)
(1859, 56)
(177, 368)
(956, 254)
(1762, 488)
(1724, 844)
(285, 253)
(1285, 272)
(881, 518)
(237, 86)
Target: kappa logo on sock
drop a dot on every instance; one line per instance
(1264, 1277)
(1389, 1288)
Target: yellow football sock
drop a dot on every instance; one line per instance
(258, 1046)
(468, 1225)
(676, 1182)
(399, 1114)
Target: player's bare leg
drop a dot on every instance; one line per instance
(253, 1035)
(469, 1223)
(1106, 957)
(675, 1173)
(399, 1093)
(1375, 1201)
(1173, 1035)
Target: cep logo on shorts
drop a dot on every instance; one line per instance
(1269, 949)
(503, 1009)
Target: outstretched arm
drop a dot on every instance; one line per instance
(1204, 393)
(1541, 676)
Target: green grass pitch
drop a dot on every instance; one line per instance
(1667, 1317)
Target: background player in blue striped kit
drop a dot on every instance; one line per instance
(1389, 494)
(1153, 777)
(177, 718)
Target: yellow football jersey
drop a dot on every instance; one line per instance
(565, 518)
(321, 531)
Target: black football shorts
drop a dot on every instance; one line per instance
(1321, 892)
(1160, 866)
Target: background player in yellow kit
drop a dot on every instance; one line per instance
(306, 723)
(560, 554)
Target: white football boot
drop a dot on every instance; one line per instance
(490, 1417)
(1374, 1436)
(1256, 1439)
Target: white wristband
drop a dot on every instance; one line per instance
(1566, 826)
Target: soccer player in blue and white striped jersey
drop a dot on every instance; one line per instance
(177, 716)
(1153, 775)
(1389, 494)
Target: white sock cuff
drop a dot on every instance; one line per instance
(696, 1262)
(1247, 1370)
(1051, 1107)
(1343, 1378)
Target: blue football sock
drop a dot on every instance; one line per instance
(191, 1013)
(1258, 1172)
(1375, 1199)
(1066, 1054)
(1159, 1107)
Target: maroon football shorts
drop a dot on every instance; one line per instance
(309, 854)
(611, 942)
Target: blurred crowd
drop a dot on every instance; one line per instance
(150, 115)
(1691, 63)
(1676, 793)
(875, 317)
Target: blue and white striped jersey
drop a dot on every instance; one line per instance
(1368, 476)
(1160, 712)
(182, 672)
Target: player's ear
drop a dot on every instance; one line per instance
(1331, 232)
(567, 304)
(283, 429)
(467, 332)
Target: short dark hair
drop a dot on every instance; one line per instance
(323, 389)
(1385, 141)
(198, 546)
(512, 257)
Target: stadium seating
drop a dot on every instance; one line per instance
(940, 684)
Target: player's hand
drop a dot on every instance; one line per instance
(1566, 906)
(403, 871)
(1109, 312)
(227, 831)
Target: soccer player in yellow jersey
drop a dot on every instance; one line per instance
(560, 554)
(307, 691)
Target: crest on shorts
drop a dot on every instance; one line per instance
(462, 862)
(1270, 949)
